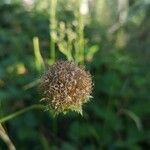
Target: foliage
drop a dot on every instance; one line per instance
(117, 56)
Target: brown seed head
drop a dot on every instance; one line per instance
(66, 86)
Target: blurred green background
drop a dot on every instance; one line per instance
(111, 38)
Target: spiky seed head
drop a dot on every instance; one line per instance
(66, 86)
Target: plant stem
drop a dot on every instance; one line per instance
(81, 37)
(20, 112)
(80, 47)
(53, 24)
(39, 62)
(6, 139)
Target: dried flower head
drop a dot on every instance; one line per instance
(66, 86)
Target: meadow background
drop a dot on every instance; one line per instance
(111, 38)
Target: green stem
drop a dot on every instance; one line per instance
(20, 112)
(53, 25)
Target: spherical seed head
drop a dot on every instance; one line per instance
(66, 86)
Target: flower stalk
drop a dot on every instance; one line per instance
(20, 112)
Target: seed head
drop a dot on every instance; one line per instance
(66, 86)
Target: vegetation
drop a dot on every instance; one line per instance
(110, 38)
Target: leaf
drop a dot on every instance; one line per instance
(91, 51)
